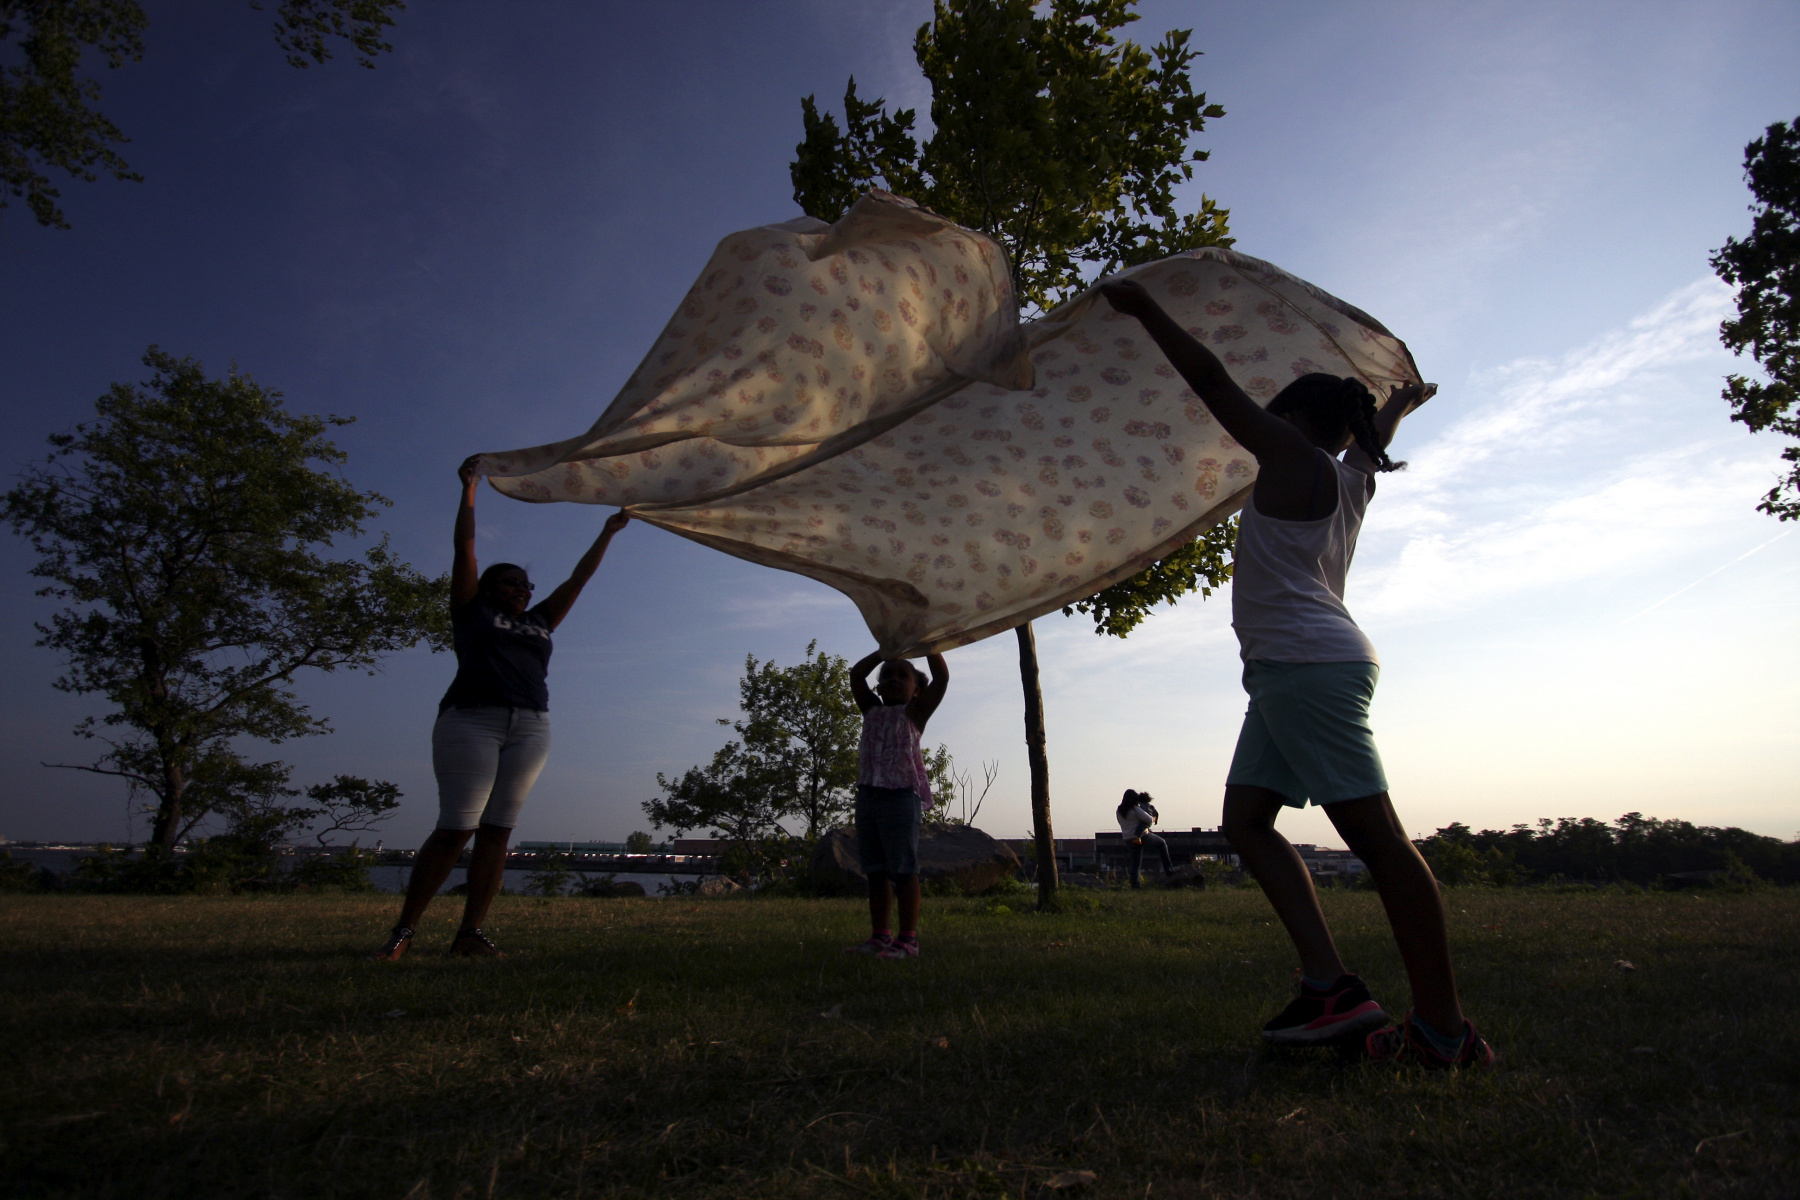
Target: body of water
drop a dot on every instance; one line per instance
(393, 879)
(385, 878)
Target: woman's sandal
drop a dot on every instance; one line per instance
(472, 943)
(395, 946)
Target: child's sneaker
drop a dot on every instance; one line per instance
(875, 945)
(1407, 1042)
(1320, 1015)
(904, 946)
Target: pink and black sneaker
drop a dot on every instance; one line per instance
(875, 945)
(1319, 1015)
(904, 946)
(1407, 1043)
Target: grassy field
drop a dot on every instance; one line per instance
(222, 1047)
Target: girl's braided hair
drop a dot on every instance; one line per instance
(1334, 405)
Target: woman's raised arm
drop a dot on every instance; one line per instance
(465, 576)
(557, 604)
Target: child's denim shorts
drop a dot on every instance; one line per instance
(1306, 734)
(887, 829)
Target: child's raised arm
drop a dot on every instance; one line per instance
(1269, 438)
(926, 702)
(1400, 402)
(859, 682)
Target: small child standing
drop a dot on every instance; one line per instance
(892, 793)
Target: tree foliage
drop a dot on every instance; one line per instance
(1765, 268)
(1199, 566)
(1050, 135)
(350, 804)
(185, 527)
(794, 760)
(801, 728)
(47, 118)
(1062, 142)
(1633, 849)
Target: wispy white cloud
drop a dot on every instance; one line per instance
(1564, 469)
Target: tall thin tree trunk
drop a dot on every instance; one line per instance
(168, 814)
(1040, 767)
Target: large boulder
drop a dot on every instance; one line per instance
(960, 852)
(716, 885)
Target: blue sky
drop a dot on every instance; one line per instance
(1579, 611)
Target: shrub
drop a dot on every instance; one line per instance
(1738, 876)
(551, 878)
(17, 875)
(345, 871)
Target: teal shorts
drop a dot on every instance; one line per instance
(1306, 734)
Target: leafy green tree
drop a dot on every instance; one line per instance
(794, 760)
(1634, 849)
(1765, 268)
(639, 842)
(730, 797)
(46, 118)
(185, 526)
(1065, 144)
(801, 729)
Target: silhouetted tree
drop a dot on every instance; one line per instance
(46, 121)
(794, 761)
(184, 527)
(1765, 268)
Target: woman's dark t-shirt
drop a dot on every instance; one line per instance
(501, 660)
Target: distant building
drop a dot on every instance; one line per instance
(1329, 863)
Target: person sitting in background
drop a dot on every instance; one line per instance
(1136, 815)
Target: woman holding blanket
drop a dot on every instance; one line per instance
(1311, 673)
(493, 726)
(893, 791)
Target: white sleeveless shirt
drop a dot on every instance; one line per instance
(1287, 581)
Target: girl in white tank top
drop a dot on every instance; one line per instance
(1310, 673)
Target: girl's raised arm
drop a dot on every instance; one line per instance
(1400, 402)
(1269, 438)
(465, 576)
(926, 702)
(859, 682)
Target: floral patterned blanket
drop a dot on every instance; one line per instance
(861, 404)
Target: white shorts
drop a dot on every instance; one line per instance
(486, 760)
